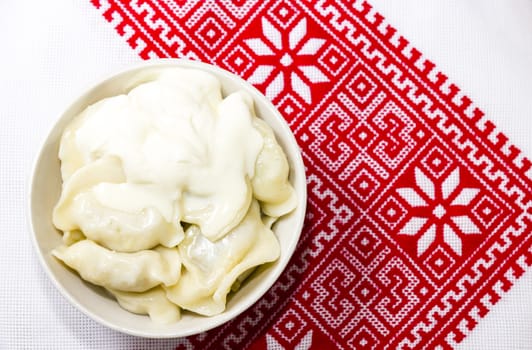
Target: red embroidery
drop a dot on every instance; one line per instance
(420, 212)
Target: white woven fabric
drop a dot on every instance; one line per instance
(52, 49)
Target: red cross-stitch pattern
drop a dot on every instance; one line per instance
(419, 211)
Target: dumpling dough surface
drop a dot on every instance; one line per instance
(132, 272)
(211, 268)
(270, 181)
(152, 302)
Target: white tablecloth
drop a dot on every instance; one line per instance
(52, 49)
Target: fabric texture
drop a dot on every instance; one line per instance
(419, 212)
(412, 190)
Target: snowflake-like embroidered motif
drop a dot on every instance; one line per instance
(296, 55)
(443, 211)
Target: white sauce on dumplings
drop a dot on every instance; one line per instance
(172, 152)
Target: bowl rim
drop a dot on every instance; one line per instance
(297, 160)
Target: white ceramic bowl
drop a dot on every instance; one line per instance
(93, 301)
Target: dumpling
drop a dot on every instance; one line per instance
(211, 268)
(123, 231)
(218, 195)
(219, 212)
(106, 169)
(153, 302)
(126, 229)
(132, 272)
(130, 218)
(270, 182)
